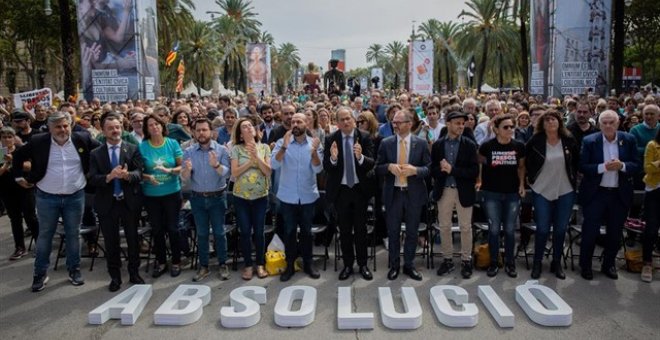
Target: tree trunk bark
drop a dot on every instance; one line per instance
(447, 74)
(67, 48)
(482, 67)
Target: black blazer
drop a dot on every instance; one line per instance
(335, 172)
(38, 152)
(100, 167)
(465, 171)
(262, 128)
(535, 151)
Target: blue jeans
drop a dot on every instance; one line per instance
(250, 216)
(296, 215)
(49, 209)
(556, 213)
(210, 211)
(502, 211)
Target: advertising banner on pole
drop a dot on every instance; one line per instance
(420, 67)
(119, 49)
(258, 68)
(377, 79)
(540, 46)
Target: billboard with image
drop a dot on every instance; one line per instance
(420, 67)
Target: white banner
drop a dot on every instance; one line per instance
(28, 100)
(258, 68)
(377, 74)
(420, 67)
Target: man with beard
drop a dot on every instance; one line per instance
(206, 167)
(299, 154)
(279, 131)
(60, 160)
(40, 118)
(582, 126)
(268, 125)
(116, 172)
(21, 123)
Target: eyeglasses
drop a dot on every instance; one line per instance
(401, 122)
(506, 127)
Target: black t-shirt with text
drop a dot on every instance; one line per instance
(500, 171)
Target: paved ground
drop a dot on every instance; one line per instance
(603, 308)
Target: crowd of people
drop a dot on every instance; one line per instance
(290, 157)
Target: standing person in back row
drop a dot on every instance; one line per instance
(60, 160)
(609, 161)
(403, 160)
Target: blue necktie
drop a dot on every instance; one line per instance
(116, 185)
(349, 164)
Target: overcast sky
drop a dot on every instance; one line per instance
(317, 27)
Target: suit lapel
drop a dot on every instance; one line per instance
(621, 146)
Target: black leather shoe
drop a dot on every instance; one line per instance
(158, 271)
(393, 273)
(536, 270)
(312, 272)
(175, 270)
(286, 276)
(555, 267)
(115, 285)
(136, 279)
(587, 274)
(366, 273)
(413, 273)
(345, 273)
(610, 272)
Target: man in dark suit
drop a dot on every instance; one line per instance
(348, 157)
(116, 171)
(609, 161)
(60, 160)
(403, 159)
(268, 124)
(455, 168)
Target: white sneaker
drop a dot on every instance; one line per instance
(647, 273)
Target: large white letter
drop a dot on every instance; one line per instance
(543, 305)
(126, 306)
(500, 312)
(244, 311)
(285, 317)
(411, 319)
(466, 316)
(346, 319)
(184, 306)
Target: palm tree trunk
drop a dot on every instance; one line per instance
(67, 48)
(439, 76)
(482, 67)
(523, 47)
(447, 74)
(225, 73)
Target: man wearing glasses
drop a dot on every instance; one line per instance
(137, 119)
(582, 125)
(403, 161)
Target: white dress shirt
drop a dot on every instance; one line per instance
(64, 175)
(610, 151)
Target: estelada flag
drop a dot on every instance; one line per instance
(171, 57)
(181, 70)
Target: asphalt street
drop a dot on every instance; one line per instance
(602, 309)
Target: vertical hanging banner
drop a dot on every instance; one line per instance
(341, 56)
(119, 49)
(258, 68)
(420, 67)
(377, 79)
(540, 46)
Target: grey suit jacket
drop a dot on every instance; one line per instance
(420, 157)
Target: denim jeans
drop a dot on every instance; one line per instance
(298, 215)
(210, 211)
(250, 216)
(556, 213)
(502, 211)
(49, 209)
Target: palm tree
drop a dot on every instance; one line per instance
(448, 32)
(284, 60)
(486, 28)
(172, 27)
(375, 54)
(200, 47)
(394, 60)
(266, 38)
(236, 25)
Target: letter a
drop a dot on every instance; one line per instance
(126, 306)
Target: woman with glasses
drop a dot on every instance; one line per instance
(250, 168)
(502, 182)
(324, 121)
(552, 157)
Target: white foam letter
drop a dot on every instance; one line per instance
(411, 319)
(500, 312)
(543, 305)
(466, 316)
(244, 311)
(126, 306)
(285, 317)
(184, 306)
(346, 319)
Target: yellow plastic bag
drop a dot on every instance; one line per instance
(275, 262)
